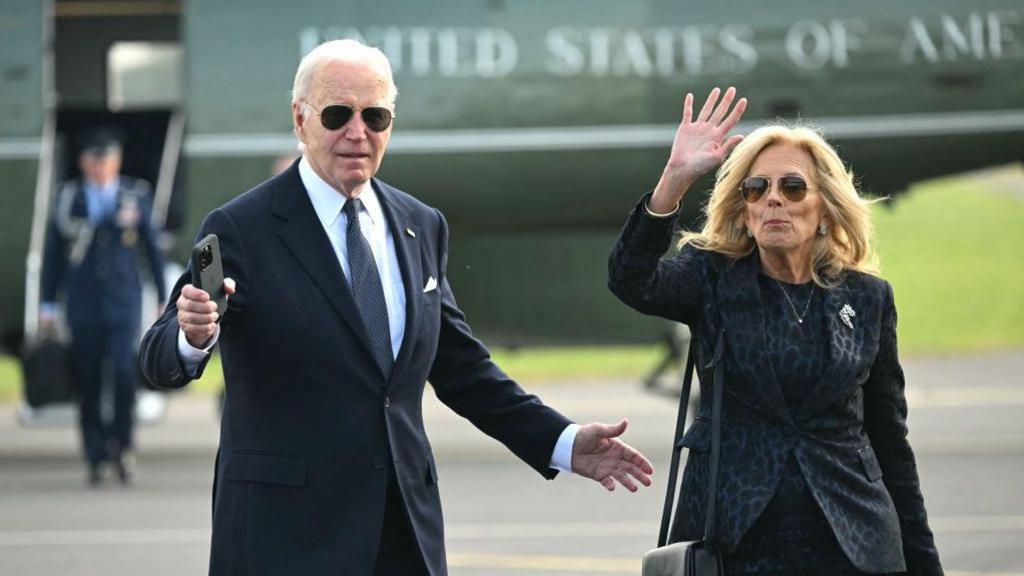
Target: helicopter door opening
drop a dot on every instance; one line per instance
(120, 67)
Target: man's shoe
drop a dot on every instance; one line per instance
(95, 477)
(125, 463)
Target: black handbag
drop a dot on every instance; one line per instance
(46, 371)
(700, 558)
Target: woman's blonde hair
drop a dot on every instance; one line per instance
(849, 242)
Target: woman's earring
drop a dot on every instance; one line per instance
(822, 229)
(750, 234)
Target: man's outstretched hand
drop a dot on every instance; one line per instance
(598, 454)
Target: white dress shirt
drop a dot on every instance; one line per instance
(328, 204)
(101, 200)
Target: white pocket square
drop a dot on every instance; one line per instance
(431, 285)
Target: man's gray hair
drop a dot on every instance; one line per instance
(346, 50)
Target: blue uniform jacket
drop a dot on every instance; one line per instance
(97, 264)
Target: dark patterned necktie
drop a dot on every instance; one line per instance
(367, 290)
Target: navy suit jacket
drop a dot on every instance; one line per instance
(310, 423)
(849, 437)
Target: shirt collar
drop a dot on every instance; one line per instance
(328, 202)
(104, 191)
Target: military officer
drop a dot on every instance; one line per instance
(99, 230)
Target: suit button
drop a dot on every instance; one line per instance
(387, 402)
(378, 463)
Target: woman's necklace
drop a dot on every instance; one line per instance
(799, 317)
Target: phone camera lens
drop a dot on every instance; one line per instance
(205, 257)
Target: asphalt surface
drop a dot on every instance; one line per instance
(966, 420)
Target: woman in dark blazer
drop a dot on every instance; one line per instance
(781, 293)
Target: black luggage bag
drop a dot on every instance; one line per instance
(47, 373)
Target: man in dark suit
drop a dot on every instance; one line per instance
(99, 227)
(339, 311)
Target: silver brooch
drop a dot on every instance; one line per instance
(846, 313)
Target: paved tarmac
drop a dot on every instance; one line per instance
(967, 427)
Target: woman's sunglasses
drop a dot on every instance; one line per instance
(794, 188)
(335, 116)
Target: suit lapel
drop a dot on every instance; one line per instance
(743, 315)
(845, 348)
(407, 245)
(305, 238)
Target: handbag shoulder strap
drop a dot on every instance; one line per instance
(684, 401)
(716, 443)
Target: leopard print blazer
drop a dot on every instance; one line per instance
(849, 437)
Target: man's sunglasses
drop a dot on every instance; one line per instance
(794, 188)
(333, 117)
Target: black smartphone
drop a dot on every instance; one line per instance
(208, 272)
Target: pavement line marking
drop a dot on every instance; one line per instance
(529, 530)
(977, 523)
(455, 532)
(948, 573)
(981, 444)
(965, 396)
(543, 562)
(588, 564)
(591, 564)
(34, 538)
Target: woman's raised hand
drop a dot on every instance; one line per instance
(700, 144)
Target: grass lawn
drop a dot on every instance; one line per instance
(10, 378)
(951, 248)
(532, 365)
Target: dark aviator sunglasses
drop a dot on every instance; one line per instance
(793, 188)
(333, 117)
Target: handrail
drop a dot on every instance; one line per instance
(44, 183)
(168, 169)
(40, 218)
